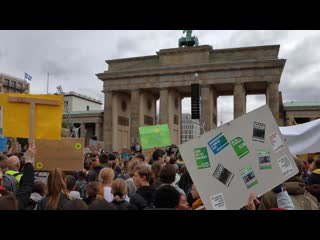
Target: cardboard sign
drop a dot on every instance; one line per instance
(243, 156)
(16, 116)
(66, 154)
(155, 136)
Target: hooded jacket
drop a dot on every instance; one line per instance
(143, 197)
(34, 199)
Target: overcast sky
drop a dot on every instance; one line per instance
(74, 57)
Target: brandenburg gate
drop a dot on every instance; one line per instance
(133, 85)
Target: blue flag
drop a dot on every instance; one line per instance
(27, 76)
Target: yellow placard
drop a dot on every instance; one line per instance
(48, 118)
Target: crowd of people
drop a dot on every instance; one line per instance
(159, 180)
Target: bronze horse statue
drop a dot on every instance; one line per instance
(188, 40)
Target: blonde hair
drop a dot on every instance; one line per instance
(95, 189)
(132, 164)
(119, 186)
(106, 175)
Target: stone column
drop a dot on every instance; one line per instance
(83, 131)
(134, 115)
(214, 114)
(164, 103)
(273, 99)
(107, 121)
(97, 130)
(239, 99)
(206, 108)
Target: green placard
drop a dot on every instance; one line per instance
(239, 147)
(155, 136)
(202, 158)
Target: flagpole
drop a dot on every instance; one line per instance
(48, 84)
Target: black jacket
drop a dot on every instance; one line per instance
(25, 188)
(124, 205)
(314, 178)
(144, 197)
(62, 201)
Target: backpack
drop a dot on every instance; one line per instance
(10, 183)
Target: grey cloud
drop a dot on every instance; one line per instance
(255, 38)
(74, 57)
(303, 56)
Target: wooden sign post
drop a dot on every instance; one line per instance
(33, 103)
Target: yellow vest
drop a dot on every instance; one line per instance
(16, 174)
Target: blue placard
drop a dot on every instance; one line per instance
(3, 142)
(218, 143)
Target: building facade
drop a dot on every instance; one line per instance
(85, 114)
(75, 102)
(190, 128)
(10, 84)
(300, 112)
(137, 83)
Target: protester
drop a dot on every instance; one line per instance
(197, 202)
(71, 186)
(101, 205)
(166, 197)
(106, 175)
(132, 188)
(81, 183)
(296, 188)
(158, 155)
(143, 198)
(183, 203)
(94, 190)
(314, 177)
(14, 166)
(283, 199)
(155, 173)
(75, 204)
(120, 197)
(58, 194)
(39, 190)
(168, 175)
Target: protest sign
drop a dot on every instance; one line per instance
(243, 156)
(34, 116)
(155, 136)
(66, 154)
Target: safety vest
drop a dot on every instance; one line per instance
(16, 174)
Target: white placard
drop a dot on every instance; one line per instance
(243, 156)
